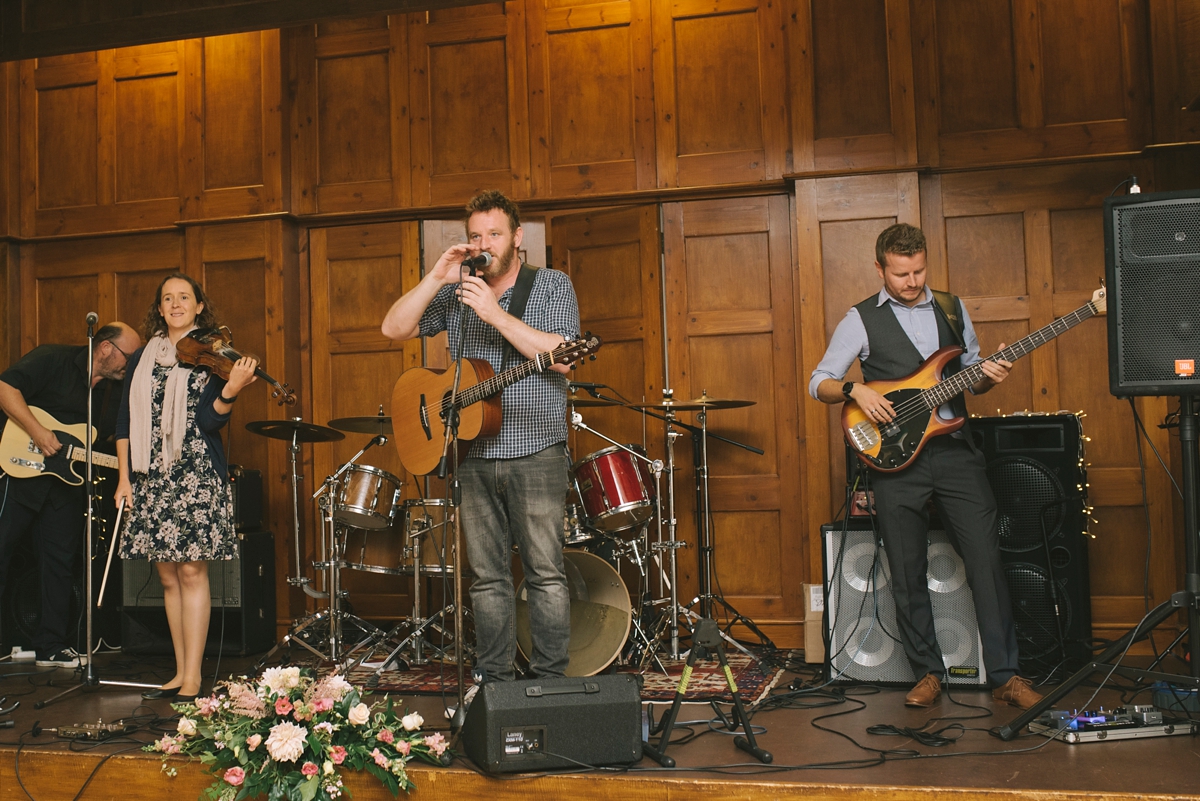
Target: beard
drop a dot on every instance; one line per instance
(501, 264)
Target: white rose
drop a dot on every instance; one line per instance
(328, 768)
(359, 714)
(186, 727)
(412, 721)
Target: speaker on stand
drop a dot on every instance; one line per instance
(1036, 470)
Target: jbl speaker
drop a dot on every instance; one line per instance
(1036, 469)
(243, 600)
(247, 497)
(864, 643)
(1152, 257)
(544, 724)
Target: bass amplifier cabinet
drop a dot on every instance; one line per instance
(243, 600)
(863, 640)
(1035, 465)
(544, 724)
(1151, 258)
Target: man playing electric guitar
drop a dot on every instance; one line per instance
(54, 379)
(891, 334)
(514, 485)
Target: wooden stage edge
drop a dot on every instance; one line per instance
(55, 776)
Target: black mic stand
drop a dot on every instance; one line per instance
(90, 677)
(1185, 599)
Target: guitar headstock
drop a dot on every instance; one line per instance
(1100, 300)
(576, 349)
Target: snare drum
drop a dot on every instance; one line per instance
(616, 490)
(368, 498)
(425, 527)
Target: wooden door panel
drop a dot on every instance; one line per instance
(147, 136)
(66, 127)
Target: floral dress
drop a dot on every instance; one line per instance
(184, 514)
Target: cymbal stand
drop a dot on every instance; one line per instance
(706, 598)
(299, 579)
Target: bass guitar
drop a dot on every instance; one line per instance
(891, 447)
(20, 458)
(421, 403)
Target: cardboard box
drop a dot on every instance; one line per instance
(814, 609)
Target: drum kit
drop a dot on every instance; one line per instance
(615, 517)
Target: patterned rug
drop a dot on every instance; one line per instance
(707, 683)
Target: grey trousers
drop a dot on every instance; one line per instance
(954, 476)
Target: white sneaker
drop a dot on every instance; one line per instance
(63, 658)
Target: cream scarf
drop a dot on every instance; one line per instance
(159, 350)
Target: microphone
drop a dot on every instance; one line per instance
(475, 262)
(585, 385)
(92, 318)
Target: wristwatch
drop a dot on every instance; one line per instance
(847, 388)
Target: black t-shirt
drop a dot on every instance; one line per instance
(54, 379)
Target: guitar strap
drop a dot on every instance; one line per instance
(951, 311)
(518, 301)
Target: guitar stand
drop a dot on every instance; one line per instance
(706, 637)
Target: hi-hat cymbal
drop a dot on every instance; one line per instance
(701, 404)
(583, 401)
(375, 424)
(302, 431)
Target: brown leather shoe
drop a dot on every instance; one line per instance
(926, 692)
(1017, 691)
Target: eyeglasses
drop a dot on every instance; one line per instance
(118, 350)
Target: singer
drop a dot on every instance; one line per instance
(174, 477)
(514, 485)
(54, 378)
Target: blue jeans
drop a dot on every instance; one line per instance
(507, 501)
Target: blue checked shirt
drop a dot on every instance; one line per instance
(534, 408)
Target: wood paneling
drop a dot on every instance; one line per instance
(470, 117)
(739, 344)
(1174, 42)
(591, 110)
(721, 108)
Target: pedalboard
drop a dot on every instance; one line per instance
(1121, 723)
(93, 731)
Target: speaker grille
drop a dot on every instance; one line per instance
(1028, 496)
(1033, 609)
(1162, 230)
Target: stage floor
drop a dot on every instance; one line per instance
(820, 741)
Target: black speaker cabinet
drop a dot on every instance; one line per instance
(1152, 261)
(247, 497)
(864, 643)
(544, 724)
(243, 600)
(1036, 469)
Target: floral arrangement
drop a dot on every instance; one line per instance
(286, 735)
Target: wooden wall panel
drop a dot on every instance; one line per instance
(740, 345)
(1018, 80)
(720, 76)
(852, 85)
(591, 110)
(1174, 42)
(470, 114)
(356, 274)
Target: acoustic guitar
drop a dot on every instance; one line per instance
(20, 458)
(891, 447)
(421, 403)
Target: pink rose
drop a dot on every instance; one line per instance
(283, 706)
(309, 769)
(235, 776)
(379, 758)
(322, 705)
(337, 754)
(253, 741)
(385, 736)
(403, 747)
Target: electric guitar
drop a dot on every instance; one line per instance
(20, 458)
(421, 403)
(892, 446)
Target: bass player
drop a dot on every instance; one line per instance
(54, 378)
(514, 485)
(891, 334)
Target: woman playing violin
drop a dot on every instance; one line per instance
(173, 473)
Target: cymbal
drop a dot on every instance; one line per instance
(701, 404)
(284, 429)
(583, 401)
(375, 424)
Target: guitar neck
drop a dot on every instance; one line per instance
(497, 383)
(79, 454)
(947, 390)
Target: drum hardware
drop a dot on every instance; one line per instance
(377, 425)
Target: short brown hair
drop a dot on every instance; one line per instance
(490, 200)
(902, 239)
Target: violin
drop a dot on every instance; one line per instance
(213, 348)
